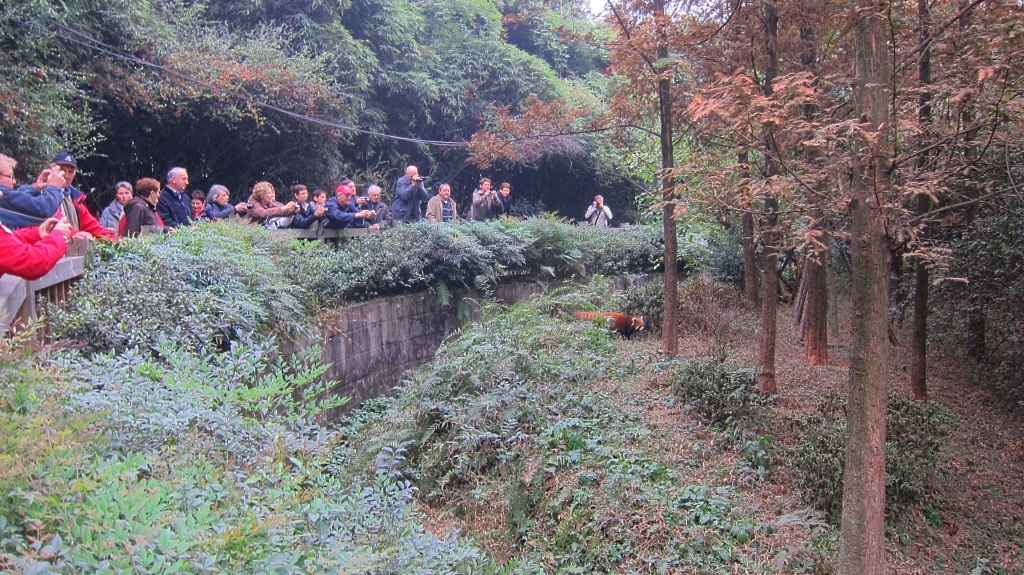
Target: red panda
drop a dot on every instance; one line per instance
(627, 325)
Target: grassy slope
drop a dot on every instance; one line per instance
(638, 485)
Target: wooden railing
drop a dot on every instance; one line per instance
(23, 301)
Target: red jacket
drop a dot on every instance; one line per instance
(23, 253)
(88, 223)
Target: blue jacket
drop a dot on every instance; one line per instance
(175, 209)
(26, 207)
(304, 218)
(215, 212)
(339, 217)
(408, 197)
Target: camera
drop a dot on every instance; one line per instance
(248, 206)
(418, 179)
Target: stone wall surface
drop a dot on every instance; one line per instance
(370, 345)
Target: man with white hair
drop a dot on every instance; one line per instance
(175, 205)
(598, 214)
(409, 194)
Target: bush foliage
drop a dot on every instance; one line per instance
(915, 434)
(182, 441)
(215, 283)
(510, 421)
(720, 394)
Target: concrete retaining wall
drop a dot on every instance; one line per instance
(370, 345)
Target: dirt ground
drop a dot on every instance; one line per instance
(980, 492)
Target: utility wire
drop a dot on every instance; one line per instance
(78, 37)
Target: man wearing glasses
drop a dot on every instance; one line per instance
(22, 208)
(32, 204)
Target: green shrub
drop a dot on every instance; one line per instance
(915, 434)
(721, 394)
(705, 247)
(472, 254)
(647, 300)
(212, 463)
(201, 287)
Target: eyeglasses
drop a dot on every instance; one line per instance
(11, 176)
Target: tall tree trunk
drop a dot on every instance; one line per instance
(862, 535)
(814, 324)
(919, 338)
(816, 305)
(833, 299)
(670, 327)
(766, 384)
(747, 239)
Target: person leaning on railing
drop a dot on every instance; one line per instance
(381, 212)
(31, 253)
(341, 209)
(266, 210)
(309, 212)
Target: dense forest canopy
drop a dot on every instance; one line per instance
(300, 91)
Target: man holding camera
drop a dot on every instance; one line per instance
(341, 210)
(599, 214)
(51, 195)
(382, 213)
(484, 201)
(409, 194)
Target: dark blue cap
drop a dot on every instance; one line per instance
(65, 158)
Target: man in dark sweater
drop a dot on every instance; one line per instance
(175, 206)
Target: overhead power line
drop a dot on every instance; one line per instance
(82, 39)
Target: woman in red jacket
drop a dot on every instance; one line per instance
(32, 252)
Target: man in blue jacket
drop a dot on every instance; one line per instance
(341, 210)
(175, 204)
(409, 194)
(33, 203)
(28, 206)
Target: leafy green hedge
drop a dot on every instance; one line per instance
(209, 285)
(178, 462)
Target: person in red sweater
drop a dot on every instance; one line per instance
(32, 252)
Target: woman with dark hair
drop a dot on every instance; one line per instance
(141, 210)
(266, 210)
(198, 205)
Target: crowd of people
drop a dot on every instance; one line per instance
(41, 218)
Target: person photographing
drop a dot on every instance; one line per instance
(484, 201)
(599, 214)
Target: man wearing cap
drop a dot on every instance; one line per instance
(341, 210)
(175, 205)
(37, 200)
